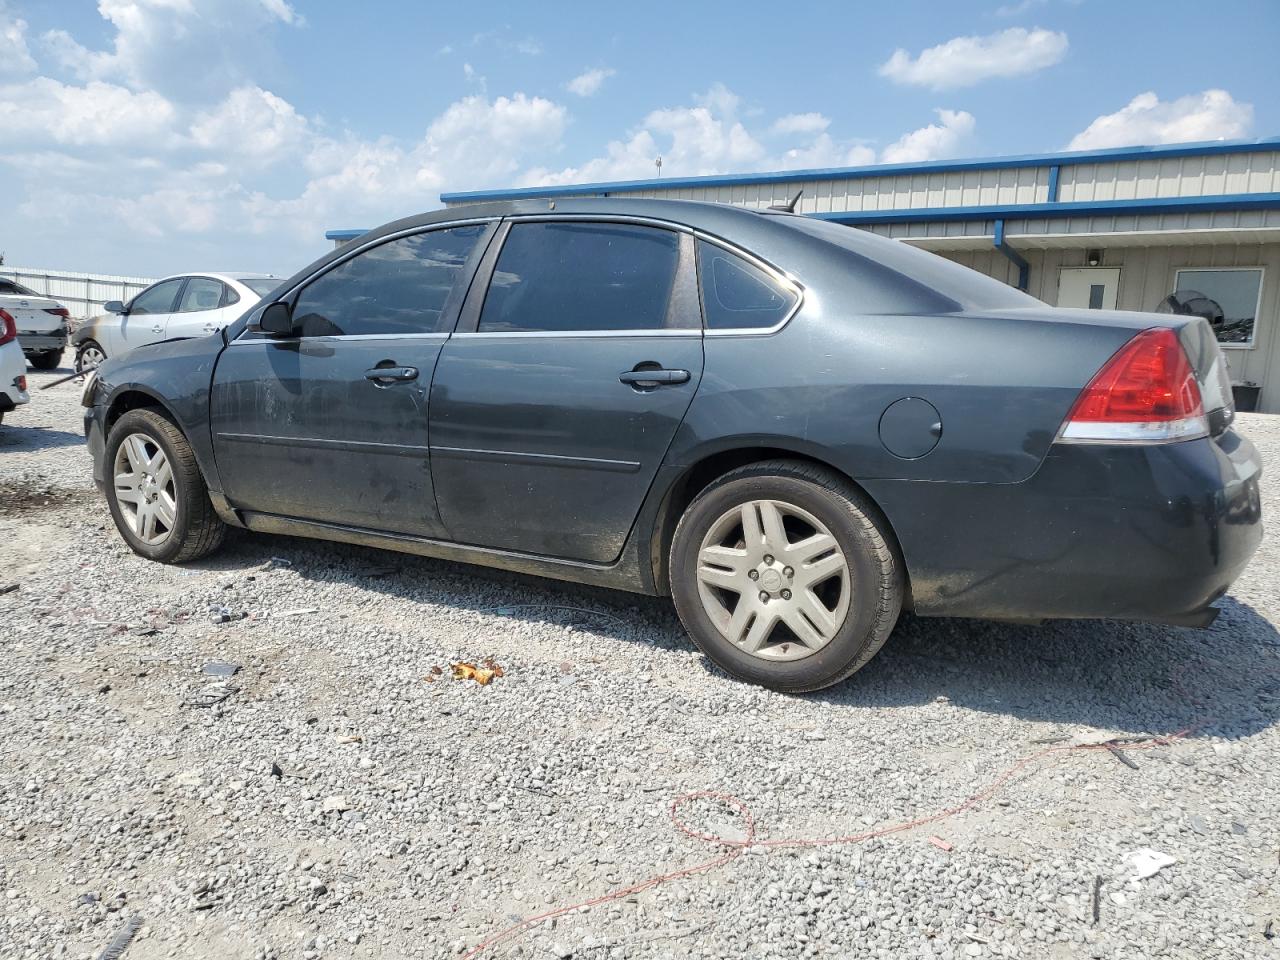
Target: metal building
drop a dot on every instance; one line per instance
(83, 294)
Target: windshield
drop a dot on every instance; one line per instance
(261, 285)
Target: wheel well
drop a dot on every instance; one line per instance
(703, 473)
(132, 400)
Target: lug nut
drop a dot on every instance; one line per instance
(764, 597)
(768, 559)
(753, 574)
(788, 573)
(786, 594)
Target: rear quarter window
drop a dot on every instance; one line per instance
(737, 294)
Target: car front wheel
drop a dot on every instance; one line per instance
(783, 575)
(89, 355)
(156, 493)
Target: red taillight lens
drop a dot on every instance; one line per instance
(10, 330)
(1146, 392)
(22, 383)
(58, 311)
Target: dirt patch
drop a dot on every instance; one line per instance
(19, 497)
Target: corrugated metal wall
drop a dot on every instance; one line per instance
(1211, 175)
(1147, 276)
(83, 294)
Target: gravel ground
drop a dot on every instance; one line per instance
(339, 798)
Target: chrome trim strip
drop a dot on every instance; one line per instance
(317, 443)
(577, 334)
(345, 337)
(542, 459)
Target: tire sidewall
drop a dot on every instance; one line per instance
(856, 634)
(138, 421)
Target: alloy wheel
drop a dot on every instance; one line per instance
(144, 488)
(773, 580)
(90, 357)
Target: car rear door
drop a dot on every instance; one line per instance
(199, 309)
(331, 425)
(147, 317)
(555, 401)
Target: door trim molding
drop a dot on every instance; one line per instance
(541, 459)
(317, 443)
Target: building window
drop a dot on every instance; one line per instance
(1227, 298)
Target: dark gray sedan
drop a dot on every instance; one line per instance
(794, 429)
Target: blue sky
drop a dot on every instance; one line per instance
(150, 136)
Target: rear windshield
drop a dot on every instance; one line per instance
(970, 289)
(261, 285)
(13, 288)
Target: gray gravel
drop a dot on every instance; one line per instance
(337, 798)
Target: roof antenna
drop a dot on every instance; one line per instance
(789, 206)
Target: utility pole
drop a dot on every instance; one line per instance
(658, 163)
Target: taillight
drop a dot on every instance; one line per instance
(21, 383)
(58, 311)
(10, 331)
(1146, 393)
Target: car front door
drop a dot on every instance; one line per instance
(148, 316)
(331, 424)
(199, 311)
(554, 403)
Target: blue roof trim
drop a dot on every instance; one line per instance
(1076, 157)
(343, 234)
(1083, 208)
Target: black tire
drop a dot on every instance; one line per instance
(80, 351)
(197, 530)
(46, 360)
(876, 578)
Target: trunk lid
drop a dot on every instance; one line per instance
(30, 313)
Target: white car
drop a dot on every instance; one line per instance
(13, 368)
(42, 323)
(190, 305)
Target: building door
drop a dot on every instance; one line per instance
(1090, 288)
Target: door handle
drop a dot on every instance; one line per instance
(391, 374)
(653, 378)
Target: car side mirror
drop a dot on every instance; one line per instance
(277, 320)
(113, 306)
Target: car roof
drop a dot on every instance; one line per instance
(220, 275)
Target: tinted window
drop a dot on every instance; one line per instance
(17, 289)
(229, 296)
(201, 294)
(157, 299)
(737, 294)
(259, 286)
(582, 276)
(397, 287)
(1228, 299)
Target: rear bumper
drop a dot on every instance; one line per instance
(1138, 533)
(42, 342)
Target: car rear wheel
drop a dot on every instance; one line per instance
(89, 355)
(156, 494)
(784, 576)
(46, 360)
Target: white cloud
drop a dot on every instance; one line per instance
(253, 123)
(44, 110)
(1016, 9)
(15, 57)
(794, 123)
(1211, 115)
(157, 42)
(965, 61)
(589, 82)
(937, 141)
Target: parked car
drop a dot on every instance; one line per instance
(796, 429)
(13, 367)
(194, 305)
(41, 321)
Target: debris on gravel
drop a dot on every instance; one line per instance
(339, 795)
